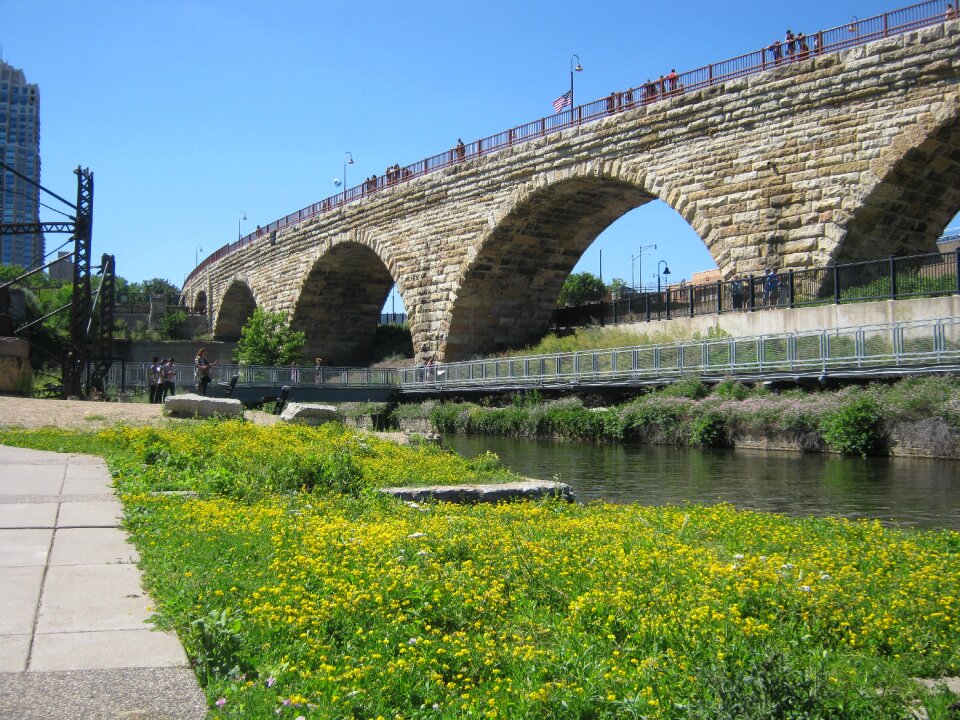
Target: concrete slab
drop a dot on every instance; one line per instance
(94, 484)
(24, 547)
(14, 651)
(83, 598)
(128, 694)
(91, 546)
(19, 599)
(103, 513)
(30, 480)
(28, 515)
(106, 649)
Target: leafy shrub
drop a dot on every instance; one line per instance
(708, 429)
(853, 428)
(731, 390)
(686, 388)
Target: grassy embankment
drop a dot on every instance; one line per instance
(300, 593)
(853, 420)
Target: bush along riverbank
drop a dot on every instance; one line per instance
(914, 417)
(300, 593)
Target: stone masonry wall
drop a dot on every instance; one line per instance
(834, 158)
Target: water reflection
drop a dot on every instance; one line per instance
(908, 492)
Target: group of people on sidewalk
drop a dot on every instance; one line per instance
(770, 287)
(162, 376)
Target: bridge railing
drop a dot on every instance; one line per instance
(907, 344)
(857, 32)
(892, 278)
(136, 376)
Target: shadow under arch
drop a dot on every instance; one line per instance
(339, 305)
(236, 307)
(200, 302)
(916, 196)
(510, 289)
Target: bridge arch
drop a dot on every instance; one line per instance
(510, 287)
(912, 193)
(200, 302)
(236, 307)
(339, 302)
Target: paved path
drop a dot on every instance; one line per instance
(74, 637)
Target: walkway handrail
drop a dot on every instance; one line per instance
(856, 32)
(915, 344)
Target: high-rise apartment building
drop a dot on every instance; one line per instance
(20, 150)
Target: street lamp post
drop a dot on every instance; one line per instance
(573, 69)
(243, 216)
(639, 260)
(666, 271)
(347, 160)
(196, 255)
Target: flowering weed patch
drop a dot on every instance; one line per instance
(340, 607)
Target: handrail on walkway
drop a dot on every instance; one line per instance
(916, 344)
(856, 32)
(904, 344)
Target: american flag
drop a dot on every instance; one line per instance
(563, 101)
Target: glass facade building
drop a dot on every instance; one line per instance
(20, 150)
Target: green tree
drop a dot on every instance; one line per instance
(617, 287)
(266, 339)
(580, 288)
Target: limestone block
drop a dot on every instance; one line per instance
(501, 492)
(192, 405)
(309, 413)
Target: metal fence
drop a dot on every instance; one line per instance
(857, 32)
(908, 345)
(889, 279)
(135, 377)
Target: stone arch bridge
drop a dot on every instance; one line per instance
(832, 157)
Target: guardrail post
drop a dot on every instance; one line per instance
(667, 293)
(836, 285)
(719, 297)
(753, 293)
(893, 278)
(690, 292)
(646, 296)
(790, 287)
(710, 74)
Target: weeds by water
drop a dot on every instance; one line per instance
(853, 421)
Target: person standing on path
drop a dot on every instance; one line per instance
(153, 376)
(202, 370)
(169, 378)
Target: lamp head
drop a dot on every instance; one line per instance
(666, 270)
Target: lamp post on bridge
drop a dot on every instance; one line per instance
(639, 260)
(196, 255)
(573, 69)
(347, 160)
(243, 216)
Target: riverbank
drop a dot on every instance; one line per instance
(299, 593)
(916, 417)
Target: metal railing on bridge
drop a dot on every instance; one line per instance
(891, 348)
(856, 32)
(136, 376)
(893, 278)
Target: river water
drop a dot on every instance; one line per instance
(903, 491)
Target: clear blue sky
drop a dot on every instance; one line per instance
(190, 112)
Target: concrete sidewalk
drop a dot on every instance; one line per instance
(74, 636)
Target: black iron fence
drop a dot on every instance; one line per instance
(895, 277)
